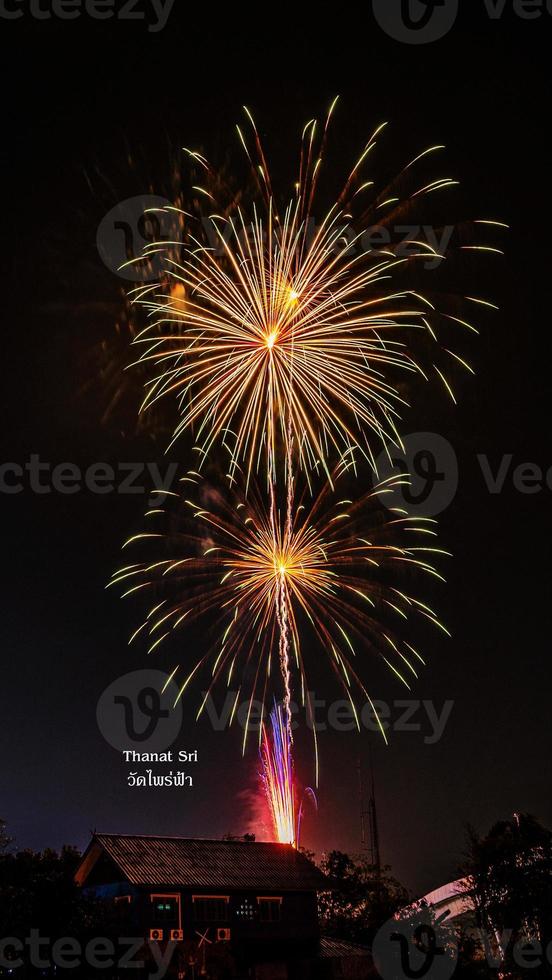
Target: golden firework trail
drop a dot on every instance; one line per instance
(229, 565)
(273, 327)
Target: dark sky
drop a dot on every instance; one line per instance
(80, 98)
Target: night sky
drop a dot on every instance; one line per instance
(93, 111)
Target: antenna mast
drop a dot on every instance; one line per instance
(369, 817)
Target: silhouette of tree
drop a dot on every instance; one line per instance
(360, 899)
(37, 891)
(509, 877)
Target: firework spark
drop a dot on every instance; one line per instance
(277, 777)
(232, 563)
(278, 328)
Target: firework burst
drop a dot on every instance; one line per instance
(279, 329)
(233, 566)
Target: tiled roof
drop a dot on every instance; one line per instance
(198, 863)
(331, 948)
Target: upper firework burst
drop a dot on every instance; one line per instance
(278, 329)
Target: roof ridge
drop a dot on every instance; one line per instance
(207, 840)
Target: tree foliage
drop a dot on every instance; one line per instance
(361, 897)
(37, 891)
(509, 877)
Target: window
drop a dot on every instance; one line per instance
(122, 906)
(270, 909)
(210, 908)
(246, 911)
(165, 909)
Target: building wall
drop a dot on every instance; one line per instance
(137, 910)
(298, 913)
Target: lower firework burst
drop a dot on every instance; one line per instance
(249, 580)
